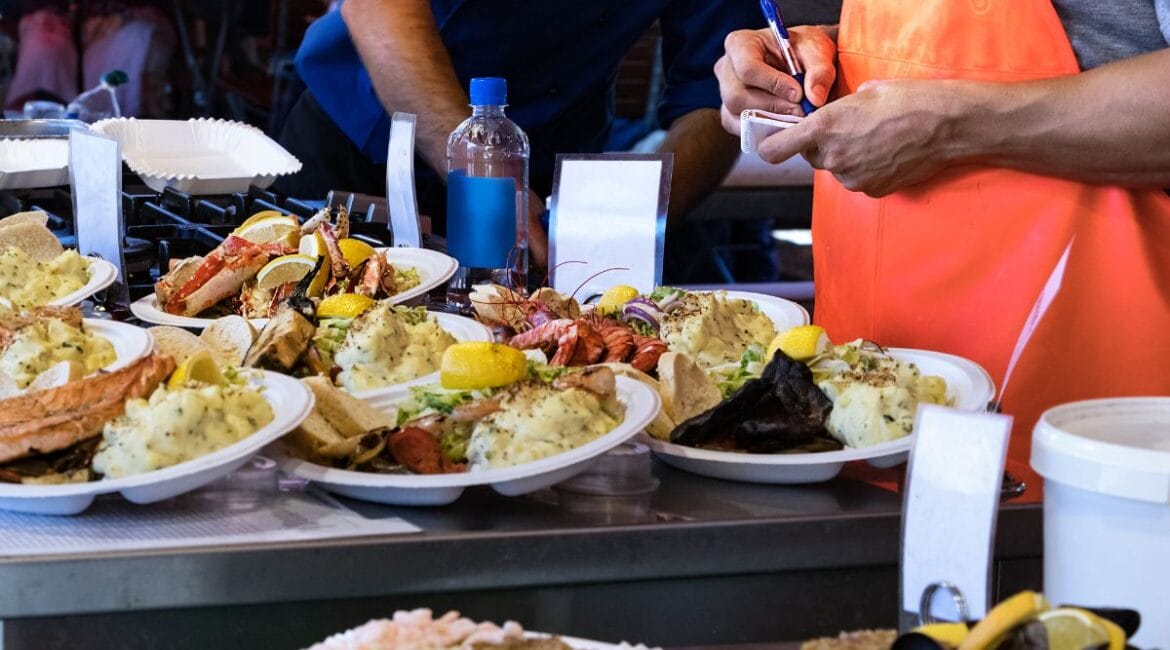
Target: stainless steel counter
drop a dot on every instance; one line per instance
(699, 561)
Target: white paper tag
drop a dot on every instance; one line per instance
(400, 195)
(608, 213)
(951, 500)
(95, 178)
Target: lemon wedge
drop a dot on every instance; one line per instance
(286, 230)
(800, 343)
(344, 305)
(1002, 618)
(615, 297)
(199, 368)
(355, 251)
(948, 634)
(1070, 628)
(263, 214)
(314, 246)
(1116, 634)
(480, 364)
(291, 268)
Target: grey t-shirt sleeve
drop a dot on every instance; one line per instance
(1103, 32)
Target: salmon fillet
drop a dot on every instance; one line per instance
(48, 420)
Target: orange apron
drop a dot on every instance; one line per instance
(956, 264)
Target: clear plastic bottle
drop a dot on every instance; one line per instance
(487, 195)
(99, 102)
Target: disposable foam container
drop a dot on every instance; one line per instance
(1106, 469)
(199, 156)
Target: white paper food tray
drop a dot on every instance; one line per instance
(26, 164)
(200, 156)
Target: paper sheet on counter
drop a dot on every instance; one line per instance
(113, 524)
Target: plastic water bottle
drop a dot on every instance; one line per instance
(487, 195)
(99, 102)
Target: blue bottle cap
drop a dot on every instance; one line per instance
(489, 91)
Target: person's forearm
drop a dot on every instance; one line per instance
(703, 154)
(399, 44)
(1107, 125)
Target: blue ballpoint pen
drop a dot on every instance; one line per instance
(772, 15)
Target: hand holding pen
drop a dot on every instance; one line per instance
(752, 73)
(776, 24)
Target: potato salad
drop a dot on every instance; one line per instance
(874, 395)
(536, 421)
(389, 345)
(24, 282)
(177, 425)
(43, 344)
(713, 329)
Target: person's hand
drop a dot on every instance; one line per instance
(750, 72)
(537, 238)
(885, 137)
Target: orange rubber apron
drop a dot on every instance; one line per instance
(956, 264)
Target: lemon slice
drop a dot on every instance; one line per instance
(200, 368)
(263, 214)
(291, 268)
(800, 343)
(480, 364)
(616, 296)
(286, 230)
(1002, 618)
(344, 305)
(1070, 628)
(355, 251)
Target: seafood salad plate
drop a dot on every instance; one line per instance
(364, 346)
(254, 271)
(419, 629)
(629, 328)
(864, 425)
(148, 431)
(424, 445)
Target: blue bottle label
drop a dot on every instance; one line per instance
(481, 220)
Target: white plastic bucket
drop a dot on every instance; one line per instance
(1106, 465)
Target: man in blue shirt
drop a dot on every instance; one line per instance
(560, 58)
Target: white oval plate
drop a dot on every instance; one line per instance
(291, 402)
(784, 313)
(101, 275)
(968, 385)
(130, 343)
(434, 268)
(642, 404)
(463, 329)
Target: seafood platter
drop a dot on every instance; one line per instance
(307, 348)
(253, 271)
